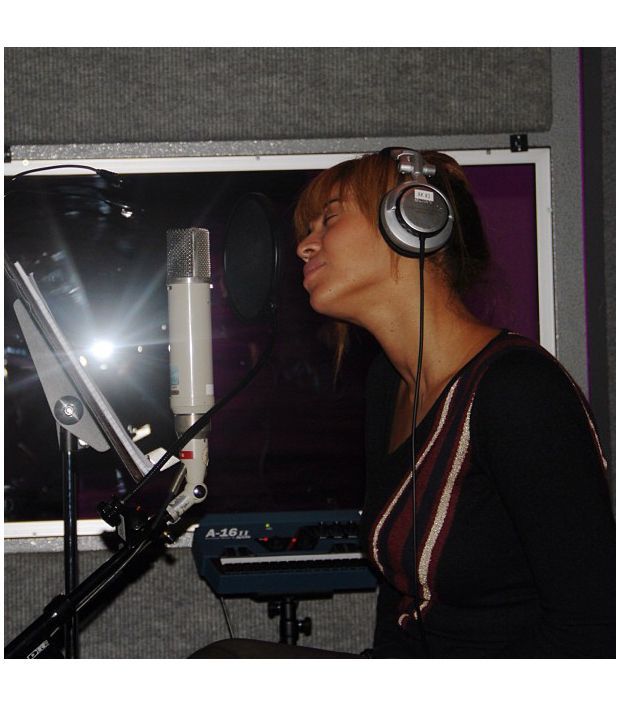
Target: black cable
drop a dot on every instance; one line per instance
(89, 199)
(110, 176)
(416, 399)
(100, 172)
(231, 632)
(203, 421)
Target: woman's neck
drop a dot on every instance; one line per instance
(452, 336)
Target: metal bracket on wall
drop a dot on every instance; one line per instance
(518, 143)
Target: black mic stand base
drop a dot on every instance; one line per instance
(34, 641)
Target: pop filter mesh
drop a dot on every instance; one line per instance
(250, 256)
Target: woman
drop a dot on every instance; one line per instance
(513, 528)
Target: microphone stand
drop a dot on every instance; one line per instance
(68, 445)
(138, 533)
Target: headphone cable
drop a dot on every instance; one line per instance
(416, 399)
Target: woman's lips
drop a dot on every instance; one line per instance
(311, 267)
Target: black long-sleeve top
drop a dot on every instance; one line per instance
(515, 533)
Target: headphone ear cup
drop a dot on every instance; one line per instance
(413, 212)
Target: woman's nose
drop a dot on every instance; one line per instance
(308, 247)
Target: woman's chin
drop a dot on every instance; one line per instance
(328, 306)
(324, 303)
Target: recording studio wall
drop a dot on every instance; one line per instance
(128, 94)
(121, 102)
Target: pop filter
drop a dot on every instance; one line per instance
(251, 256)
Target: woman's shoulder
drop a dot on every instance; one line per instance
(514, 362)
(523, 381)
(530, 422)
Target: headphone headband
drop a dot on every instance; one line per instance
(415, 216)
(411, 162)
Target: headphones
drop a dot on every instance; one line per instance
(415, 216)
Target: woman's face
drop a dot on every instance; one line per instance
(346, 261)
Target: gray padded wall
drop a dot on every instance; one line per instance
(167, 612)
(94, 95)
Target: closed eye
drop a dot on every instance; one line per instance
(331, 210)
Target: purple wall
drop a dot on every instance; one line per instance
(507, 201)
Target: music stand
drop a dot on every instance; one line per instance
(80, 411)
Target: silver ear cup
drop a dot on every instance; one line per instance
(413, 211)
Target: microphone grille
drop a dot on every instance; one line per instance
(188, 254)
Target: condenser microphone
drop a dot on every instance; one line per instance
(188, 282)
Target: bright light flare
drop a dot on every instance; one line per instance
(102, 350)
